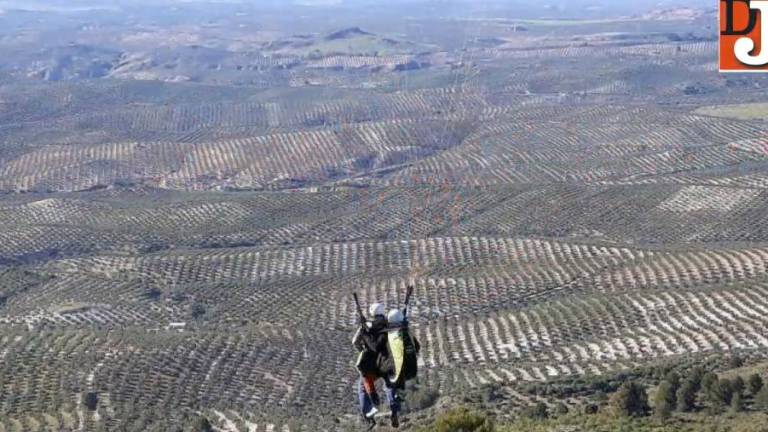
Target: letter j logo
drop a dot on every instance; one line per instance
(741, 36)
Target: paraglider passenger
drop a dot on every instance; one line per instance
(371, 341)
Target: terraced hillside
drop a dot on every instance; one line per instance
(177, 248)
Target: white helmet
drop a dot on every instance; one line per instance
(376, 309)
(395, 316)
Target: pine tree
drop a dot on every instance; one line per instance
(686, 396)
(719, 395)
(673, 378)
(695, 376)
(738, 385)
(755, 384)
(708, 380)
(630, 400)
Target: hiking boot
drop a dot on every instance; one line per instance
(372, 413)
(394, 420)
(370, 423)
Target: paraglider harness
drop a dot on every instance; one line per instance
(403, 351)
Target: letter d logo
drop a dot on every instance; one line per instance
(741, 36)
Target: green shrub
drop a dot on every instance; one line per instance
(737, 405)
(492, 393)
(761, 399)
(735, 362)
(720, 394)
(561, 409)
(631, 400)
(538, 411)
(664, 401)
(461, 420)
(201, 424)
(420, 398)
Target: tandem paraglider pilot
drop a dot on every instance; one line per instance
(386, 351)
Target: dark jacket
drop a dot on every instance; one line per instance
(371, 341)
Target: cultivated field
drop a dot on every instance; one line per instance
(189, 247)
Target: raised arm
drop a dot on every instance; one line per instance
(357, 339)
